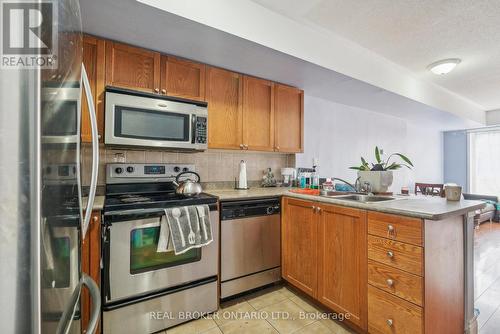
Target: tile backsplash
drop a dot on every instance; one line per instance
(212, 165)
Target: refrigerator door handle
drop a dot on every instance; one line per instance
(69, 313)
(95, 151)
(67, 316)
(95, 296)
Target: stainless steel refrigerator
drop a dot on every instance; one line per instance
(42, 220)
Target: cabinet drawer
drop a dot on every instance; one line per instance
(396, 254)
(392, 315)
(396, 282)
(395, 227)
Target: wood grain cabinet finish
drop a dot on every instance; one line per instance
(394, 227)
(94, 61)
(91, 258)
(397, 282)
(396, 254)
(182, 78)
(289, 119)
(224, 94)
(388, 314)
(258, 114)
(300, 245)
(342, 262)
(133, 68)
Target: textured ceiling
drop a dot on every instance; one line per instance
(414, 34)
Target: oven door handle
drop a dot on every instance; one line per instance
(95, 151)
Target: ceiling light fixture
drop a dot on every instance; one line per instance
(443, 66)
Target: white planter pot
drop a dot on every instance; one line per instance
(379, 180)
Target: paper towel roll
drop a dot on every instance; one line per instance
(242, 184)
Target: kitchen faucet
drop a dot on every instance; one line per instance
(365, 188)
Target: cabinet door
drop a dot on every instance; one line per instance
(183, 78)
(132, 68)
(91, 258)
(289, 119)
(258, 114)
(299, 244)
(225, 119)
(93, 59)
(342, 262)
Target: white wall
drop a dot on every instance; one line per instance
(339, 134)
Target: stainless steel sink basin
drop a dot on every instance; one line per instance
(333, 193)
(366, 198)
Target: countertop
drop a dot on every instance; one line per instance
(424, 207)
(98, 202)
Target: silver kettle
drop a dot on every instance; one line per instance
(188, 187)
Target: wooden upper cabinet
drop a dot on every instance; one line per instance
(182, 78)
(289, 119)
(133, 68)
(93, 59)
(225, 119)
(299, 244)
(258, 114)
(342, 261)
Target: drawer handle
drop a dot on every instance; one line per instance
(390, 254)
(390, 322)
(390, 282)
(391, 231)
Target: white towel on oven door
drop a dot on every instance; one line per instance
(164, 240)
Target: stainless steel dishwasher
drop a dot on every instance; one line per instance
(250, 244)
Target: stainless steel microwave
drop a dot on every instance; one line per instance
(150, 120)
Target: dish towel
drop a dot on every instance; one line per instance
(188, 227)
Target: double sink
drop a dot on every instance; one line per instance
(356, 197)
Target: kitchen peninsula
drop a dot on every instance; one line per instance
(396, 266)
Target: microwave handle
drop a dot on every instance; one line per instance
(95, 151)
(193, 129)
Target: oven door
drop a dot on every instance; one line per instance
(133, 120)
(133, 268)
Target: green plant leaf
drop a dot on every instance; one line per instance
(394, 166)
(404, 158)
(356, 168)
(377, 155)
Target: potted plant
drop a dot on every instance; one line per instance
(380, 174)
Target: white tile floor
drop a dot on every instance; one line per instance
(278, 309)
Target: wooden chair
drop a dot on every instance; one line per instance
(432, 189)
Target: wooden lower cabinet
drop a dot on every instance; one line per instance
(391, 274)
(299, 245)
(324, 255)
(390, 314)
(342, 261)
(91, 257)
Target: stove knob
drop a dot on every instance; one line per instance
(185, 169)
(118, 170)
(130, 169)
(177, 169)
(270, 210)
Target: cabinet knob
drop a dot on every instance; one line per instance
(390, 228)
(390, 282)
(245, 146)
(390, 322)
(318, 209)
(164, 91)
(390, 254)
(242, 146)
(95, 218)
(157, 90)
(277, 148)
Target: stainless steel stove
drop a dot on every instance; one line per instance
(139, 284)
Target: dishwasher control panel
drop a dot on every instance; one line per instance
(250, 208)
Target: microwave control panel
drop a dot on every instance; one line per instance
(201, 130)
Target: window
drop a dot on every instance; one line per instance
(484, 162)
